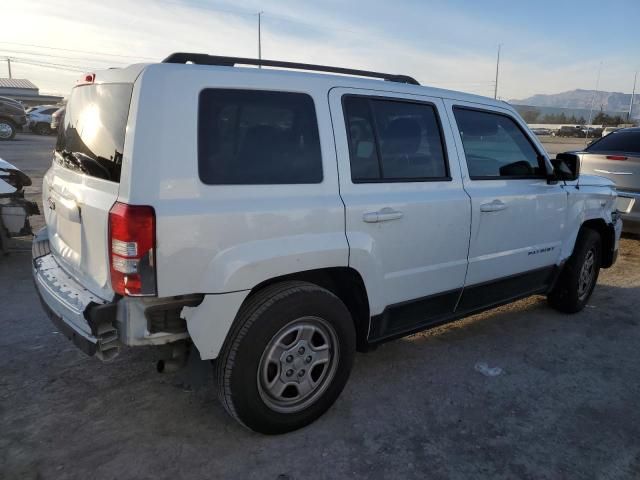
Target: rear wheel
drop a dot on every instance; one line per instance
(7, 130)
(42, 129)
(579, 276)
(287, 357)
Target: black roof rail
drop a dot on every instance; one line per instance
(204, 59)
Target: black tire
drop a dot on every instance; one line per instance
(261, 319)
(42, 129)
(7, 129)
(572, 291)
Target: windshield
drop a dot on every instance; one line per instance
(91, 138)
(618, 141)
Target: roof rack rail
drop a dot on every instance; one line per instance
(204, 59)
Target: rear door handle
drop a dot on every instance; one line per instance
(494, 206)
(383, 215)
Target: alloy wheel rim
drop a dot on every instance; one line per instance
(5, 130)
(587, 273)
(298, 364)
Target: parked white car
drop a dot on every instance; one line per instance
(39, 118)
(277, 221)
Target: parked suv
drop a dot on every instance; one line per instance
(576, 131)
(12, 118)
(278, 221)
(40, 118)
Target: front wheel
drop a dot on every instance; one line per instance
(580, 274)
(7, 130)
(287, 357)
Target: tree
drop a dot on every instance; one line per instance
(607, 120)
(530, 116)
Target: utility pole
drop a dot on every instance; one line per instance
(260, 37)
(633, 94)
(593, 99)
(495, 91)
(9, 66)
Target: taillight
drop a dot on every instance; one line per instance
(132, 244)
(616, 157)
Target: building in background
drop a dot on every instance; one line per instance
(26, 92)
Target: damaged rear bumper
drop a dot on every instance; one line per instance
(101, 327)
(85, 319)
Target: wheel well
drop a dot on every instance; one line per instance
(607, 235)
(345, 283)
(8, 120)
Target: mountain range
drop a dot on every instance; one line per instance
(609, 102)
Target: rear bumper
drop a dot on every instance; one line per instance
(631, 220)
(88, 321)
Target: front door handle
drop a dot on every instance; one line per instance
(383, 215)
(494, 206)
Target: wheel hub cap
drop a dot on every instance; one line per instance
(298, 364)
(587, 273)
(5, 130)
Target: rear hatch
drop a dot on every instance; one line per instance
(617, 157)
(82, 184)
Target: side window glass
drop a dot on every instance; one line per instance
(410, 141)
(495, 147)
(362, 144)
(394, 140)
(252, 137)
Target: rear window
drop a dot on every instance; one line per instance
(618, 141)
(91, 138)
(252, 137)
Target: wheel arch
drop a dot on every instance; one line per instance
(608, 237)
(344, 282)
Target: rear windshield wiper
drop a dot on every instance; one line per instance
(86, 164)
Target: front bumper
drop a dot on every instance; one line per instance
(85, 319)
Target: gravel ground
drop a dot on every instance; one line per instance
(557, 397)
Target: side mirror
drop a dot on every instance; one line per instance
(566, 166)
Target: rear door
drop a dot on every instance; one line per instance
(82, 184)
(407, 215)
(519, 219)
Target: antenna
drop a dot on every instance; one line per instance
(260, 37)
(495, 91)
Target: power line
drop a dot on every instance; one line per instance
(55, 66)
(25, 52)
(79, 51)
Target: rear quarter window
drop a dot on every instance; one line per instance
(253, 137)
(618, 141)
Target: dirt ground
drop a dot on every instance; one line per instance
(518, 392)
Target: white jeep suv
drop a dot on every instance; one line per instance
(277, 221)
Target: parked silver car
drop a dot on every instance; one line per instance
(617, 157)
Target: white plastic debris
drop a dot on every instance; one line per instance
(488, 371)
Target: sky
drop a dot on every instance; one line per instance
(547, 46)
